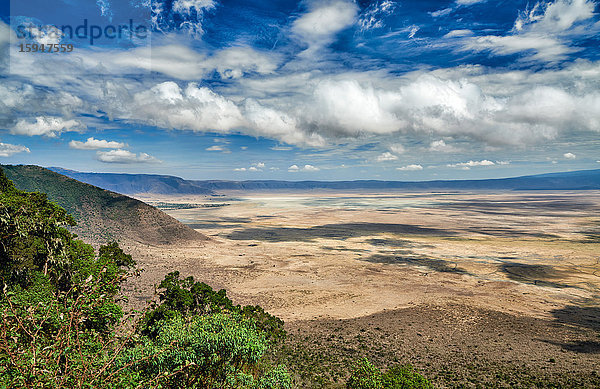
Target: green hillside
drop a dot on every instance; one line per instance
(101, 215)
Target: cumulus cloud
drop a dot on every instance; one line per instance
(387, 156)
(470, 164)
(125, 157)
(305, 168)
(276, 124)
(346, 106)
(255, 167)
(192, 108)
(410, 168)
(319, 26)
(94, 144)
(569, 156)
(48, 126)
(441, 146)
(8, 150)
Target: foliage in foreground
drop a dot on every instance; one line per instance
(62, 326)
(185, 297)
(367, 376)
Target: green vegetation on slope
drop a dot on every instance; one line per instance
(101, 214)
(62, 326)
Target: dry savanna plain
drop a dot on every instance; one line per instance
(477, 289)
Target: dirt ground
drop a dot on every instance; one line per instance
(467, 287)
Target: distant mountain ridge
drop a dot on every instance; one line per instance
(163, 184)
(134, 183)
(102, 215)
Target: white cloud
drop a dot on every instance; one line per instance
(276, 124)
(470, 164)
(8, 150)
(554, 17)
(255, 167)
(186, 6)
(441, 12)
(441, 146)
(569, 156)
(281, 148)
(503, 162)
(324, 20)
(192, 108)
(184, 63)
(412, 31)
(48, 126)
(94, 144)
(372, 17)
(216, 148)
(468, 2)
(305, 168)
(387, 156)
(234, 62)
(125, 156)
(190, 14)
(310, 168)
(544, 32)
(410, 168)
(348, 107)
(397, 148)
(541, 47)
(458, 33)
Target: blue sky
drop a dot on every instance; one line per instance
(331, 90)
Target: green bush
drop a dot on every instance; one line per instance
(367, 376)
(404, 377)
(187, 297)
(210, 351)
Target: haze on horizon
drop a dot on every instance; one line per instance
(311, 90)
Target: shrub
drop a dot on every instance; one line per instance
(187, 297)
(367, 376)
(211, 351)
